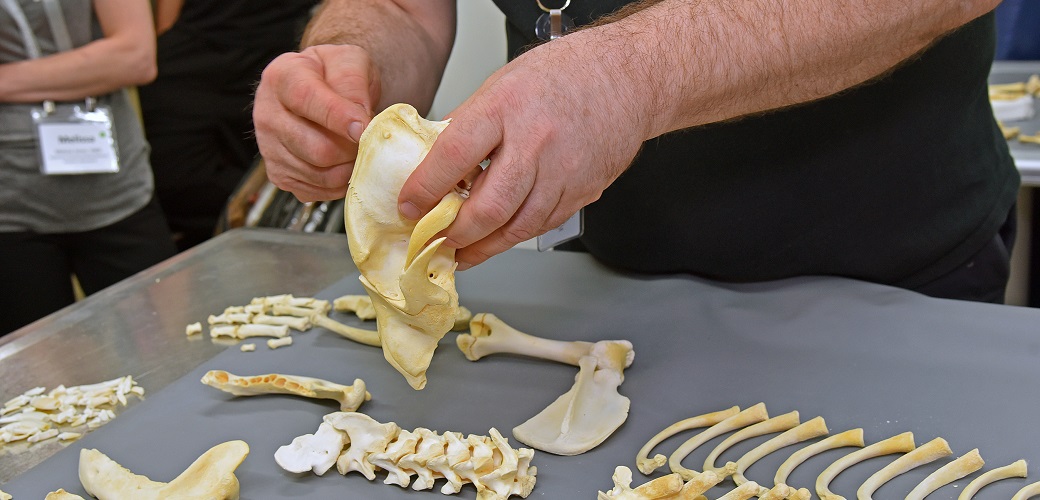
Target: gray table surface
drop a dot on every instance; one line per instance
(861, 355)
(1027, 156)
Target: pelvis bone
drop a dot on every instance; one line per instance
(410, 279)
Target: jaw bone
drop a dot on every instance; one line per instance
(411, 280)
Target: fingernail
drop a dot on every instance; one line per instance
(409, 211)
(354, 130)
(463, 266)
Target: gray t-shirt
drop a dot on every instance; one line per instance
(33, 202)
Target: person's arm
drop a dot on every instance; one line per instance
(166, 14)
(565, 119)
(125, 56)
(361, 56)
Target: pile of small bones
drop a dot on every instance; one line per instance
(355, 442)
(270, 316)
(35, 416)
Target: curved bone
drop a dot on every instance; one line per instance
(966, 464)
(852, 437)
(779, 423)
(349, 397)
(1016, 469)
(924, 454)
(751, 415)
(61, 494)
(359, 335)
(490, 335)
(665, 487)
(211, 476)
(648, 465)
(808, 430)
(1027, 491)
(587, 414)
(900, 443)
(411, 282)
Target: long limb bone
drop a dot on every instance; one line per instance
(751, 415)
(648, 465)
(901, 443)
(359, 335)
(349, 397)
(490, 335)
(211, 476)
(1017, 469)
(926, 453)
(808, 430)
(966, 464)
(780, 423)
(852, 437)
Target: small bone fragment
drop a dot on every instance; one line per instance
(360, 305)
(743, 492)
(193, 329)
(296, 323)
(490, 335)
(68, 436)
(247, 347)
(966, 464)
(245, 331)
(281, 342)
(230, 319)
(852, 437)
(1034, 139)
(349, 397)
(648, 465)
(924, 454)
(1028, 491)
(61, 494)
(1016, 469)
(359, 335)
(751, 415)
(810, 429)
(43, 436)
(312, 452)
(900, 443)
(211, 476)
(587, 414)
(779, 423)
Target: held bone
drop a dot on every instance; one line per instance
(361, 306)
(349, 397)
(411, 280)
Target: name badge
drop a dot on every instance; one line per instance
(567, 231)
(76, 139)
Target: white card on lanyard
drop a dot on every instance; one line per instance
(567, 231)
(76, 139)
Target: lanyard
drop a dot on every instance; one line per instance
(60, 30)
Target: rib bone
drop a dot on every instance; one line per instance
(780, 423)
(852, 437)
(1016, 469)
(966, 464)
(649, 465)
(751, 415)
(901, 443)
(924, 454)
(808, 430)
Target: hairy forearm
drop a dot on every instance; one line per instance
(97, 68)
(702, 61)
(410, 47)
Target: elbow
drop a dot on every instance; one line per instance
(141, 66)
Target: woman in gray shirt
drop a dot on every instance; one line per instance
(102, 227)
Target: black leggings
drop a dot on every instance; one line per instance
(36, 269)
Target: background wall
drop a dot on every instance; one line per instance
(480, 49)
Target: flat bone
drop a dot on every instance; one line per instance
(361, 306)
(966, 464)
(779, 423)
(490, 335)
(808, 430)
(924, 454)
(584, 416)
(211, 476)
(359, 335)
(349, 397)
(1016, 469)
(649, 465)
(1027, 491)
(751, 415)
(900, 443)
(852, 437)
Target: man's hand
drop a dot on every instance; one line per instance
(558, 126)
(309, 112)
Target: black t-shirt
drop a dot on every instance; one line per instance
(897, 181)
